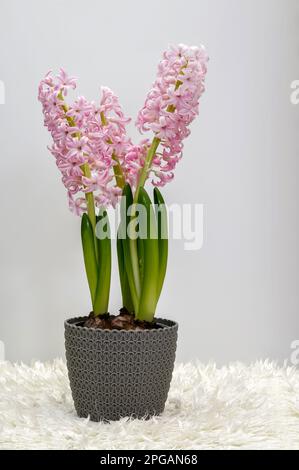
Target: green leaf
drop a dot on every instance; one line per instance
(104, 265)
(140, 249)
(124, 283)
(148, 297)
(90, 261)
(126, 202)
(161, 216)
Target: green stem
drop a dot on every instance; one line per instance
(89, 198)
(118, 172)
(147, 164)
(153, 148)
(103, 119)
(133, 242)
(126, 202)
(104, 267)
(149, 255)
(87, 173)
(134, 261)
(141, 181)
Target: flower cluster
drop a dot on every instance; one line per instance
(172, 104)
(90, 143)
(86, 139)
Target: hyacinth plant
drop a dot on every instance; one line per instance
(99, 163)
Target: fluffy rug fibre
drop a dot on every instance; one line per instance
(234, 407)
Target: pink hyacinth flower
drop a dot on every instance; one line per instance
(172, 104)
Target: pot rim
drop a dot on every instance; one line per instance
(166, 323)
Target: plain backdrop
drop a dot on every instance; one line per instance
(235, 299)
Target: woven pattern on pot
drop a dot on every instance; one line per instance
(119, 373)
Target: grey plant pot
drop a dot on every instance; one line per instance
(117, 373)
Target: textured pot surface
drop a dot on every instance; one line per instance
(116, 373)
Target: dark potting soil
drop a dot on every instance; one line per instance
(123, 321)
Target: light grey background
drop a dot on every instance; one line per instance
(237, 298)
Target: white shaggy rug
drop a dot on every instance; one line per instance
(234, 407)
